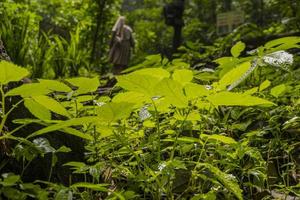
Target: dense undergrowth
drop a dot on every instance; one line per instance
(165, 131)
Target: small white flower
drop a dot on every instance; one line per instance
(279, 59)
(161, 166)
(207, 70)
(144, 113)
(208, 87)
(99, 103)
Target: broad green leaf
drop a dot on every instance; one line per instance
(251, 91)
(37, 109)
(278, 90)
(264, 85)
(28, 90)
(64, 124)
(183, 76)
(51, 105)
(156, 72)
(138, 83)
(114, 111)
(10, 72)
(237, 49)
(75, 165)
(9, 179)
(236, 99)
(72, 131)
(290, 41)
(172, 91)
(193, 91)
(183, 140)
(136, 98)
(233, 75)
(229, 182)
(54, 85)
(85, 85)
(96, 187)
(220, 138)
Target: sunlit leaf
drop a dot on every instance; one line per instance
(172, 91)
(237, 49)
(37, 109)
(236, 99)
(51, 105)
(10, 72)
(85, 85)
(183, 76)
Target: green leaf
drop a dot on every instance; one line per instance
(96, 187)
(54, 85)
(233, 75)
(10, 72)
(236, 99)
(156, 72)
(237, 49)
(193, 91)
(10, 179)
(264, 85)
(227, 180)
(220, 138)
(183, 76)
(64, 124)
(28, 90)
(63, 149)
(85, 85)
(114, 111)
(278, 90)
(251, 91)
(51, 105)
(138, 83)
(77, 133)
(283, 43)
(136, 98)
(37, 109)
(172, 91)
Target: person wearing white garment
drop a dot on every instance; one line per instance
(120, 45)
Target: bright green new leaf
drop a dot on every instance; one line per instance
(65, 124)
(237, 49)
(72, 131)
(28, 90)
(236, 99)
(96, 187)
(10, 72)
(220, 138)
(233, 75)
(54, 85)
(51, 105)
(156, 72)
(85, 85)
(183, 76)
(136, 98)
(251, 91)
(138, 83)
(37, 109)
(264, 85)
(278, 90)
(289, 41)
(193, 91)
(114, 111)
(172, 91)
